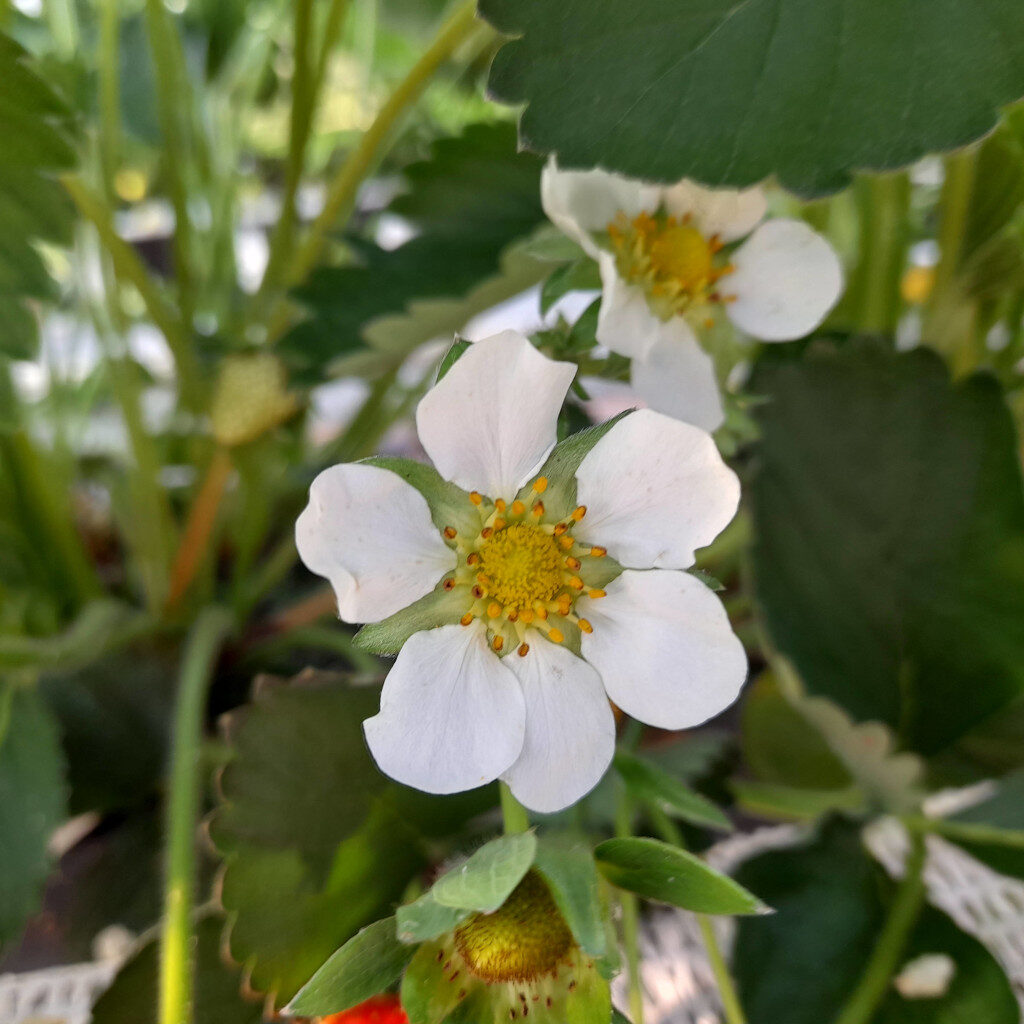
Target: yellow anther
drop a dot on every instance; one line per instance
(472, 558)
(524, 650)
(576, 583)
(527, 615)
(564, 604)
(450, 532)
(566, 541)
(540, 485)
(486, 532)
(518, 508)
(579, 512)
(598, 552)
(493, 609)
(595, 593)
(555, 635)
(561, 528)
(498, 642)
(512, 616)
(538, 509)
(500, 524)
(449, 584)
(477, 591)
(500, 505)
(586, 626)
(476, 497)
(573, 563)
(466, 619)
(542, 613)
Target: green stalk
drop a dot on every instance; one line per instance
(889, 949)
(176, 980)
(172, 109)
(967, 831)
(341, 193)
(731, 1005)
(884, 201)
(129, 268)
(331, 32)
(110, 92)
(512, 811)
(630, 906)
(63, 23)
(303, 107)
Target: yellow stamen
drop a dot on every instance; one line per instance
(494, 609)
(579, 512)
(466, 619)
(450, 532)
(540, 485)
(498, 642)
(598, 552)
(524, 650)
(500, 505)
(585, 625)
(518, 508)
(555, 635)
(476, 497)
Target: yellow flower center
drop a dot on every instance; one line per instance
(673, 262)
(524, 566)
(522, 941)
(524, 571)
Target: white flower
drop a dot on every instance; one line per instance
(669, 261)
(521, 625)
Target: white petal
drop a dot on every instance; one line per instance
(726, 212)
(370, 534)
(583, 202)
(664, 647)
(677, 377)
(491, 421)
(625, 323)
(787, 278)
(570, 728)
(451, 714)
(656, 491)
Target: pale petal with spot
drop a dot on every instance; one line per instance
(677, 377)
(490, 423)
(664, 647)
(656, 491)
(570, 728)
(451, 714)
(726, 212)
(582, 203)
(786, 281)
(625, 323)
(370, 533)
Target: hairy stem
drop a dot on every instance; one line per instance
(176, 981)
(512, 811)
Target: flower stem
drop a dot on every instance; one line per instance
(341, 192)
(731, 1005)
(967, 831)
(861, 1006)
(176, 983)
(884, 202)
(129, 268)
(199, 528)
(512, 811)
(630, 907)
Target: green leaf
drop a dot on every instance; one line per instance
(657, 871)
(730, 94)
(487, 878)
(781, 746)
(218, 996)
(33, 206)
(452, 356)
(889, 516)
(651, 784)
(472, 199)
(316, 842)
(568, 867)
(32, 803)
(800, 964)
(772, 800)
(978, 991)
(371, 961)
(580, 275)
(427, 919)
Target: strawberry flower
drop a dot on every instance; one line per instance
(523, 584)
(673, 257)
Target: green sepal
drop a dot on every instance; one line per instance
(428, 994)
(452, 356)
(657, 871)
(567, 865)
(449, 504)
(371, 961)
(426, 919)
(580, 275)
(487, 879)
(438, 608)
(561, 465)
(654, 785)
